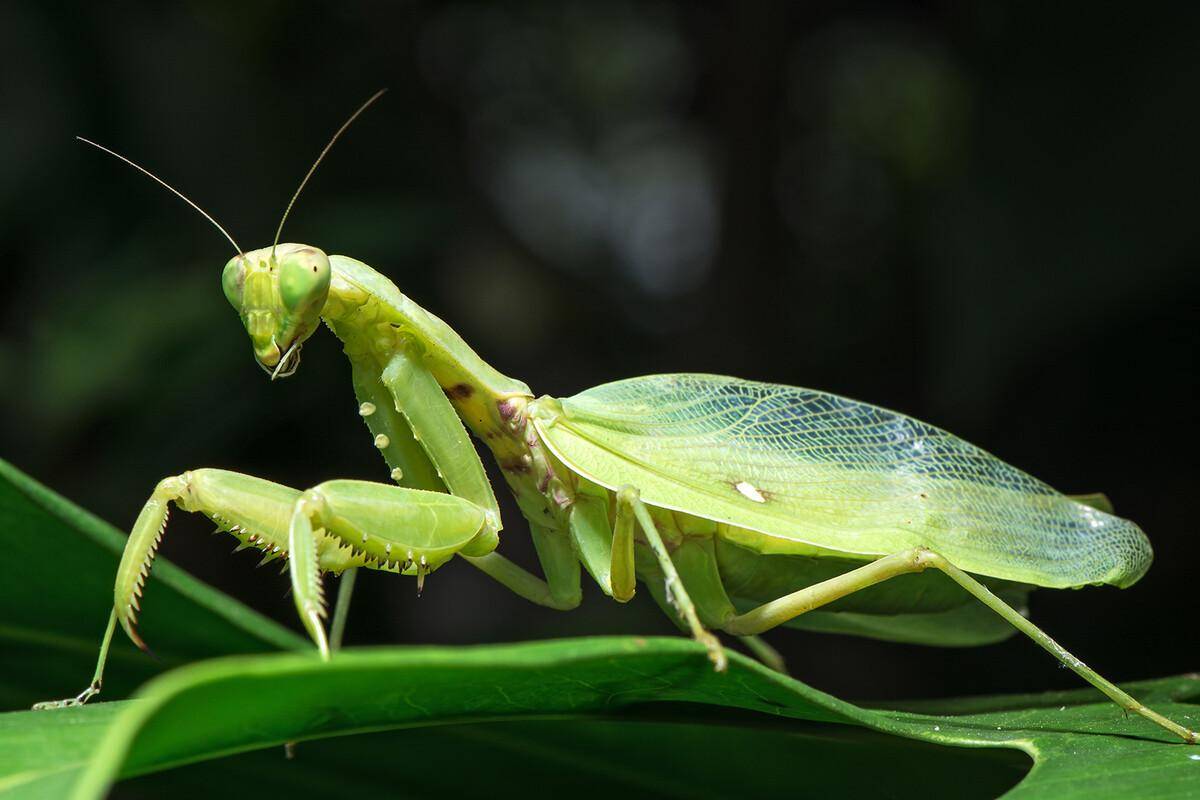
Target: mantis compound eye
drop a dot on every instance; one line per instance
(303, 280)
(233, 279)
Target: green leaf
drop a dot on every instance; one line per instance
(58, 592)
(621, 711)
(610, 715)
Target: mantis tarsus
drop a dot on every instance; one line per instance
(740, 505)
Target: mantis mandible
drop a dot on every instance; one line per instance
(741, 506)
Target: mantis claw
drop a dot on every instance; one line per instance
(272, 555)
(715, 652)
(316, 629)
(87, 694)
(422, 571)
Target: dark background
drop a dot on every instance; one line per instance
(980, 214)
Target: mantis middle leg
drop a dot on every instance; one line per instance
(696, 562)
(608, 554)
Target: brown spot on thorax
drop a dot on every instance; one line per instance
(507, 409)
(521, 464)
(459, 391)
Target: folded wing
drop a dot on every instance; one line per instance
(815, 471)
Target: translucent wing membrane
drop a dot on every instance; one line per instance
(815, 471)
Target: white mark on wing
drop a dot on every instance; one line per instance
(382, 441)
(750, 492)
(366, 409)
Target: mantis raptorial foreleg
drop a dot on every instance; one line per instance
(331, 527)
(341, 525)
(778, 611)
(420, 403)
(254, 510)
(404, 455)
(419, 398)
(392, 527)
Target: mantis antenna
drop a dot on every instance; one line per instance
(166, 186)
(320, 158)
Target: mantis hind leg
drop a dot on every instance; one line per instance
(1110, 690)
(696, 561)
(918, 559)
(769, 656)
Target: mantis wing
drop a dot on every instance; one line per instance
(795, 470)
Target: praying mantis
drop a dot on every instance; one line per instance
(741, 506)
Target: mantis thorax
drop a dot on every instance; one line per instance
(375, 323)
(373, 319)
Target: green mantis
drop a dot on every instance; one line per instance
(741, 506)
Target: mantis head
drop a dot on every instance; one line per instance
(279, 293)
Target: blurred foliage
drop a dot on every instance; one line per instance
(978, 213)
